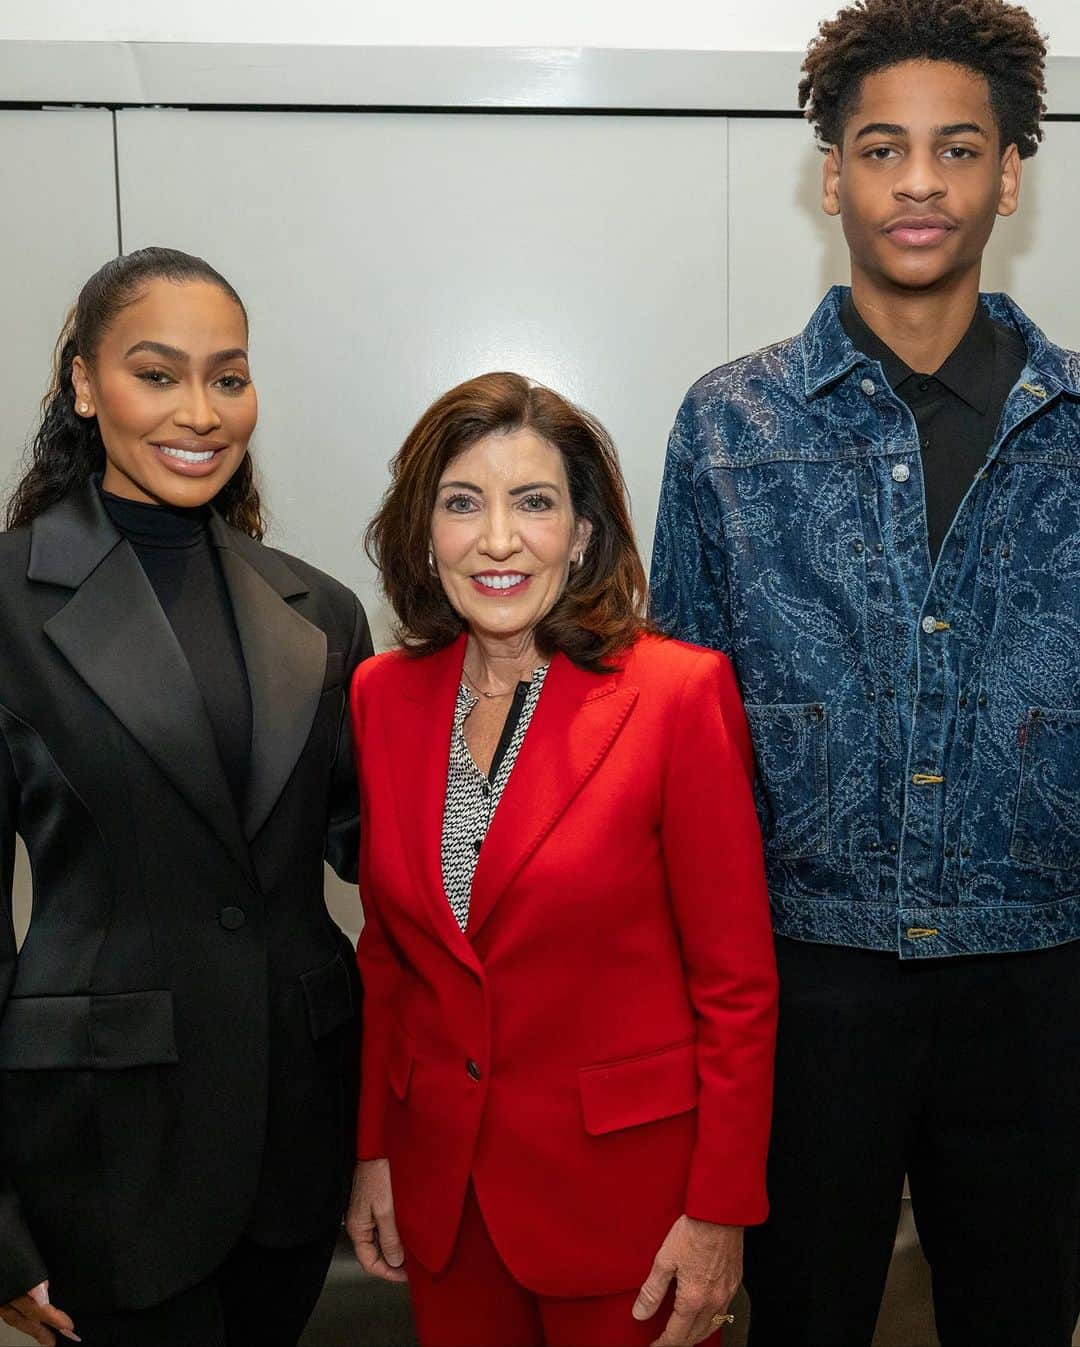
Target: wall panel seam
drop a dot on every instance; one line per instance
(116, 187)
(729, 231)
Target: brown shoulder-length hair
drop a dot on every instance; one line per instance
(602, 608)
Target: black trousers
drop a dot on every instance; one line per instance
(259, 1297)
(965, 1075)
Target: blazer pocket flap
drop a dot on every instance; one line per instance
(638, 1090)
(109, 1033)
(399, 1065)
(329, 997)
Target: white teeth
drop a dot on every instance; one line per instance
(186, 456)
(507, 581)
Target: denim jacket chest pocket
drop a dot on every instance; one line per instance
(1046, 828)
(792, 788)
(796, 533)
(1034, 667)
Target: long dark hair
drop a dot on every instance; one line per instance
(67, 448)
(602, 608)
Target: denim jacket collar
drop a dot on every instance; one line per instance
(828, 353)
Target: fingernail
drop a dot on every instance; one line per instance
(67, 1333)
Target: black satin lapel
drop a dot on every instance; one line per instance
(115, 635)
(418, 739)
(70, 538)
(286, 662)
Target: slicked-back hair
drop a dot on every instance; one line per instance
(602, 608)
(988, 37)
(67, 448)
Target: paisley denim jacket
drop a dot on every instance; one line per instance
(917, 726)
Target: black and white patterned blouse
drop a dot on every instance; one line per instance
(472, 797)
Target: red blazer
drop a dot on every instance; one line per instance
(595, 1051)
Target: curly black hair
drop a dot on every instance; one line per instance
(994, 39)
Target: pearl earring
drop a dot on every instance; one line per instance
(431, 560)
(84, 407)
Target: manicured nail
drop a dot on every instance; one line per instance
(67, 1333)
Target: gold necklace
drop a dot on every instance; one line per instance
(489, 695)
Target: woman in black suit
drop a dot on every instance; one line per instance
(176, 1031)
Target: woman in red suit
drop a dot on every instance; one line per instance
(567, 958)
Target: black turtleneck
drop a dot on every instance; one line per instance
(181, 563)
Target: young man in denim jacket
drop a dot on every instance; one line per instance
(879, 521)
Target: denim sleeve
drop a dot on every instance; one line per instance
(688, 588)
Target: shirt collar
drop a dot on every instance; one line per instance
(828, 353)
(968, 371)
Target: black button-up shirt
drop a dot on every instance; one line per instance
(957, 409)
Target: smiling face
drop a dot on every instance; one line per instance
(503, 534)
(921, 176)
(172, 393)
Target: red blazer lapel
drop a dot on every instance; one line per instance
(576, 721)
(418, 729)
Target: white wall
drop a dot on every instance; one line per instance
(47, 249)
(707, 25)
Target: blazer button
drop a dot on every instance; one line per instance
(232, 918)
(472, 1069)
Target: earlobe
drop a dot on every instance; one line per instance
(80, 385)
(830, 182)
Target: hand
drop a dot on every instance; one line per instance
(370, 1222)
(33, 1315)
(706, 1261)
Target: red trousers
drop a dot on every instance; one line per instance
(475, 1302)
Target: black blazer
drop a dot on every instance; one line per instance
(175, 1030)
